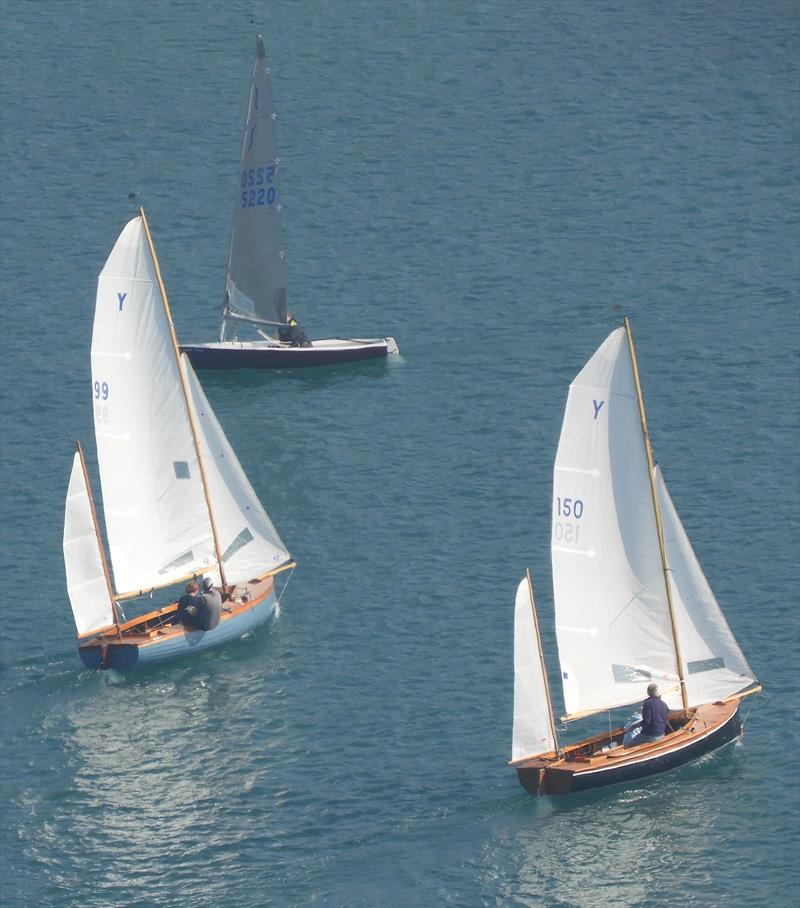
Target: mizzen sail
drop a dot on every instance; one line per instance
(86, 580)
(612, 616)
(255, 285)
(157, 519)
(533, 726)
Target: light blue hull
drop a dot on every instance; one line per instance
(125, 656)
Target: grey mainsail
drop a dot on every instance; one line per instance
(255, 286)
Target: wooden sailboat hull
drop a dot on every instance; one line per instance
(263, 355)
(586, 766)
(152, 638)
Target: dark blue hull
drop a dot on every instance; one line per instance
(249, 355)
(600, 761)
(663, 763)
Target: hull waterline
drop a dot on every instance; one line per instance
(262, 355)
(711, 727)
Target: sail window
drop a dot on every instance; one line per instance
(705, 665)
(186, 558)
(181, 469)
(626, 673)
(239, 542)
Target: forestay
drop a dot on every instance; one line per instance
(86, 582)
(612, 616)
(532, 719)
(157, 520)
(715, 666)
(255, 284)
(249, 544)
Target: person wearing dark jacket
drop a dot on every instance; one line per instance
(213, 604)
(190, 605)
(292, 333)
(655, 717)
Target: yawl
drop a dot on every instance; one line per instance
(255, 294)
(176, 502)
(632, 605)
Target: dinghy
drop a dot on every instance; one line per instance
(255, 300)
(632, 605)
(176, 502)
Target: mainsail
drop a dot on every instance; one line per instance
(86, 581)
(612, 617)
(715, 665)
(255, 286)
(533, 726)
(157, 520)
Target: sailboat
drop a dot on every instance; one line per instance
(632, 605)
(176, 502)
(255, 300)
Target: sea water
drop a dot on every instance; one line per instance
(496, 184)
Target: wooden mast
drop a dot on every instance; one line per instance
(100, 546)
(659, 525)
(550, 714)
(189, 409)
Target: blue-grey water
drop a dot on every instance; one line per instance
(496, 184)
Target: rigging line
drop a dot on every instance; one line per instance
(628, 604)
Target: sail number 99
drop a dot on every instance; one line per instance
(569, 507)
(101, 390)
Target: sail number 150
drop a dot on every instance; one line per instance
(569, 507)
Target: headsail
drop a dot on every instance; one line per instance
(612, 617)
(157, 520)
(715, 665)
(255, 285)
(533, 725)
(249, 542)
(86, 580)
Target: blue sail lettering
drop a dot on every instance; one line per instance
(597, 407)
(121, 298)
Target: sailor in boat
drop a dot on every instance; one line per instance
(292, 333)
(194, 612)
(655, 717)
(213, 602)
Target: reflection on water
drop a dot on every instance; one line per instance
(626, 845)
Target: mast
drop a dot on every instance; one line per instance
(185, 390)
(550, 714)
(100, 546)
(657, 510)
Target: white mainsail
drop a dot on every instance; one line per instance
(86, 580)
(256, 286)
(715, 666)
(156, 516)
(249, 543)
(533, 727)
(612, 617)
